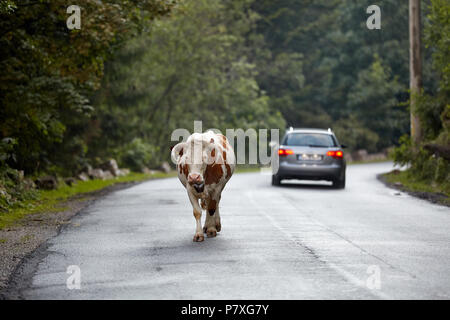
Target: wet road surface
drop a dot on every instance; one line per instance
(297, 241)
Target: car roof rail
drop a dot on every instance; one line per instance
(329, 130)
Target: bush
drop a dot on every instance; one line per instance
(138, 154)
(429, 109)
(402, 154)
(353, 134)
(423, 166)
(442, 172)
(14, 188)
(7, 154)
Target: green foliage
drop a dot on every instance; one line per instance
(7, 151)
(192, 66)
(402, 154)
(423, 167)
(429, 109)
(14, 188)
(345, 68)
(437, 36)
(373, 101)
(356, 135)
(137, 154)
(7, 6)
(444, 136)
(48, 72)
(432, 106)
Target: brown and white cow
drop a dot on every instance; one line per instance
(205, 163)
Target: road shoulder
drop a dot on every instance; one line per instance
(22, 241)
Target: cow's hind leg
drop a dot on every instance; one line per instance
(218, 224)
(210, 221)
(210, 226)
(217, 220)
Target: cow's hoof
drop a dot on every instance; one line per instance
(204, 229)
(211, 232)
(198, 237)
(218, 227)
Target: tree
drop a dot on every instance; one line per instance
(192, 66)
(333, 48)
(373, 99)
(415, 59)
(49, 72)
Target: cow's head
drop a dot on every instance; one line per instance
(192, 158)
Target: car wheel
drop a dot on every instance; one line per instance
(276, 180)
(339, 183)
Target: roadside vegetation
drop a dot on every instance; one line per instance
(422, 188)
(428, 161)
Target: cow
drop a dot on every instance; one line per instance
(205, 163)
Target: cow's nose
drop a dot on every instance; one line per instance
(194, 178)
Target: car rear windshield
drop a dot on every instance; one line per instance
(303, 139)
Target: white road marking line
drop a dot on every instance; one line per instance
(347, 275)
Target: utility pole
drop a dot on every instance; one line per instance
(415, 67)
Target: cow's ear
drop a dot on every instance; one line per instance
(177, 152)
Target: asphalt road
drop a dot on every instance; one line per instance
(289, 242)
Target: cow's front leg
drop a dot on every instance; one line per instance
(198, 237)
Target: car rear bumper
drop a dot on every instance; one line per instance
(310, 171)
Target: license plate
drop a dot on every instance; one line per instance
(309, 157)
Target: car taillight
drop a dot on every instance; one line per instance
(285, 152)
(335, 154)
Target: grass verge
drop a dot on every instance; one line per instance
(403, 180)
(51, 201)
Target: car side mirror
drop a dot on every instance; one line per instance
(343, 146)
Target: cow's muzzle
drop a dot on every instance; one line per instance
(199, 187)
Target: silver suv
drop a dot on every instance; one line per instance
(311, 154)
